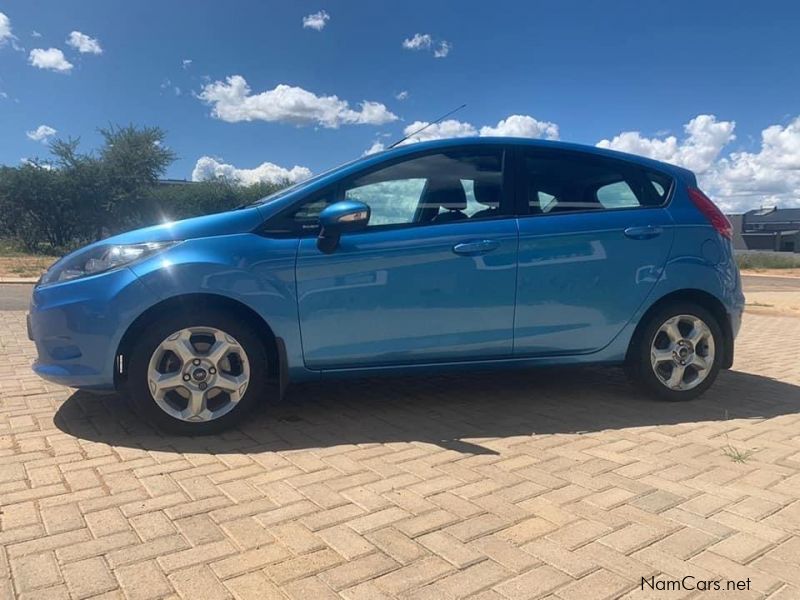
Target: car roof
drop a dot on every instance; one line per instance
(452, 143)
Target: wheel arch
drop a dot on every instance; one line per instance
(695, 296)
(273, 345)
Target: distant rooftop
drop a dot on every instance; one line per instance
(773, 215)
(760, 212)
(175, 182)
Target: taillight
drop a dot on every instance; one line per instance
(714, 215)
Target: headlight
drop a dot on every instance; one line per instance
(98, 259)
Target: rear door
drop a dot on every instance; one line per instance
(593, 242)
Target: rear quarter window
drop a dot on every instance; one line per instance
(661, 185)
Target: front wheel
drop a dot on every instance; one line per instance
(197, 373)
(678, 353)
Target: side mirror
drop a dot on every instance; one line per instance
(341, 217)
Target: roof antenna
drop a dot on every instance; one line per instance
(410, 135)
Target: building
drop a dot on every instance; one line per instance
(166, 182)
(774, 229)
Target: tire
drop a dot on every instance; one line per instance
(205, 330)
(655, 341)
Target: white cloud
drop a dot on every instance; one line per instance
(210, 168)
(402, 95)
(705, 139)
(425, 41)
(5, 29)
(317, 20)
(35, 34)
(41, 134)
(6, 34)
(377, 146)
(522, 126)
(83, 43)
(420, 41)
(168, 85)
(780, 146)
(739, 181)
(443, 49)
(769, 177)
(35, 162)
(232, 101)
(451, 128)
(51, 59)
(514, 125)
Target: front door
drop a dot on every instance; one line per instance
(431, 279)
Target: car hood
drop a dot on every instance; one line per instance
(226, 223)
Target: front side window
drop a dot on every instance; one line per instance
(570, 182)
(437, 188)
(391, 202)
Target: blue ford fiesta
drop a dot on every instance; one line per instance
(469, 253)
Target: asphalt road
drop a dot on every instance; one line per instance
(16, 296)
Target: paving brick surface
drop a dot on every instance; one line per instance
(557, 484)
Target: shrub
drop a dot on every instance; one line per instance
(767, 260)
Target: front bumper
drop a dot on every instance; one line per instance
(77, 326)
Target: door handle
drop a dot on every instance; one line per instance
(648, 232)
(476, 247)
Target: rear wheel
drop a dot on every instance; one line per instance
(678, 353)
(198, 373)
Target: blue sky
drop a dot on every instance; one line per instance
(590, 70)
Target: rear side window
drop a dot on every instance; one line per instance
(617, 195)
(561, 183)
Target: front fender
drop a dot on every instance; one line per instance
(255, 271)
(77, 326)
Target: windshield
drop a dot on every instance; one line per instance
(305, 183)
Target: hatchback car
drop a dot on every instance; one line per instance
(452, 254)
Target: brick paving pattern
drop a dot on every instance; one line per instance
(557, 484)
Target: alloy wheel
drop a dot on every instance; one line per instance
(198, 374)
(682, 352)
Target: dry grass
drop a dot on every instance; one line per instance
(24, 265)
(772, 272)
(768, 261)
(16, 263)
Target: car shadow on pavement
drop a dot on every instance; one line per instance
(457, 412)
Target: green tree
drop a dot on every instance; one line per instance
(80, 197)
(173, 202)
(132, 160)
